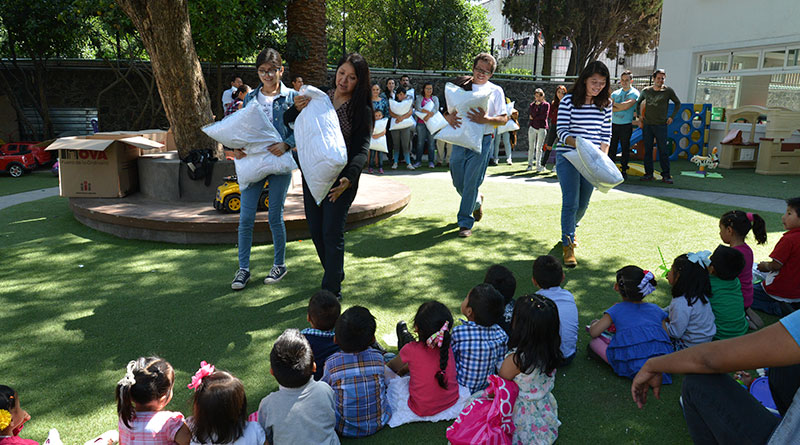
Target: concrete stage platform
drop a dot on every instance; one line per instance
(139, 216)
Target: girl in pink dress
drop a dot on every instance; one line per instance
(733, 229)
(12, 417)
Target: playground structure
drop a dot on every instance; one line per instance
(770, 155)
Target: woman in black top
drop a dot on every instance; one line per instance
(351, 98)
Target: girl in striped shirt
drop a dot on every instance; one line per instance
(586, 113)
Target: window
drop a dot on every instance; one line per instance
(792, 56)
(774, 58)
(745, 60)
(716, 62)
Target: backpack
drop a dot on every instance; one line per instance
(200, 165)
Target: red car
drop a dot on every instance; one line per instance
(39, 155)
(16, 164)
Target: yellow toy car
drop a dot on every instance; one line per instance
(229, 198)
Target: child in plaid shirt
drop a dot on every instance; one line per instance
(479, 344)
(356, 376)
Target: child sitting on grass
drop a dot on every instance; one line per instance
(779, 293)
(531, 363)
(479, 343)
(142, 394)
(727, 301)
(502, 279)
(219, 410)
(548, 276)
(323, 311)
(639, 334)
(12, 417)
(690, 318)
(303, 409)
(356, 374)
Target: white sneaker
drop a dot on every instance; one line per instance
(394, 166)
(509, 161)
(410, 166)
(540, 169)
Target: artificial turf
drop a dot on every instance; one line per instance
(78, 304)
(35, 180)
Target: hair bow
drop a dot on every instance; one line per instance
(749, 216)
(206, 369)
(438, 337)
(645, 286)
(702, 258)
(5, 419)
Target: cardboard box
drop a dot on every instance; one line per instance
(102, 165)
(165, 137)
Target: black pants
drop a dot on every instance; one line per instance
(621, 134)
(326, 224)
(549, 140)
(720, 411)
(659, 133)
(784, 382)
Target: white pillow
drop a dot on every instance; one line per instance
(380, 143)
(594, 165)
(469, 134)
(401, 108)
(436, 122)
(510, 125)
(251, 130)
(320, 145)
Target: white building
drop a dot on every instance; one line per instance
(732, 52)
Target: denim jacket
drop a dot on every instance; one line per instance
(282, 102)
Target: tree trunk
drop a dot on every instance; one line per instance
(166, 33)
(306, 40)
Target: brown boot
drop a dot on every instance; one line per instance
(569, 255)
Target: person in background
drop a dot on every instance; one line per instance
(552, 118)
(424, 137)
(227, 95)
(538, 111)
(622, 119)
(379, 105)
(405, 82)
(388, 91)
(654, 124)
(238, 100)
(297, 82)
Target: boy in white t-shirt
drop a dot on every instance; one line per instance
(468, 168)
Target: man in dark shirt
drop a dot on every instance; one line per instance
(653, 121)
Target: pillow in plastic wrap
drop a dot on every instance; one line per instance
(380, 143)
(251, 130)
(469, 134)
(321, 149)
(510, 125)
(594, 165)
(436, 122)
(401, 108)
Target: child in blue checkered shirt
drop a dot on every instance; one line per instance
(356, 375)
(479, 344)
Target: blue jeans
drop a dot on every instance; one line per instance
(506, 137)
(575, 194)
(765, 303)
(659, 133)
(424, 135)
(278, 187)
(468, 168)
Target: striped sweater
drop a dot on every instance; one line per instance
(588, 122)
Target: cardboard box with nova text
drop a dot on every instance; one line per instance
(99, 165)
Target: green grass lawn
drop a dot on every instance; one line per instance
(737, 181)
(79, 304)
(36, 180)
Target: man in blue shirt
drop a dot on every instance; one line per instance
(622, 119)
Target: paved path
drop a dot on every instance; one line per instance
(19, 198)
(727, 199)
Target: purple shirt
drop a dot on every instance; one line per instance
(538, 115)
(746, 276)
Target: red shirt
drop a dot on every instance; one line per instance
(425, 396)
(787, 283)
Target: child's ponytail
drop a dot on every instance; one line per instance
(146, 379)
(444, 357)
(759, 227)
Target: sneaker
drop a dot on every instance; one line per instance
(529, 168)
(509, 161)
(403, 336)
(370, 170)
(464, 232)
(394, 166)
(410, 167)
(667, 180)
(417, 164)
(431, 165)
(241, 279)
(276, 274)
(380, 170)
(478, 213)
(493, 162)
(646, 178)
(540, 169)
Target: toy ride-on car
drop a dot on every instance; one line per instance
(229, 198)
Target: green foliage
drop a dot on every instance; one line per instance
(42, 29)
(412, 34)
(111, 33)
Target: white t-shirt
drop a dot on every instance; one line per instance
(497, 103)
(227, 96)
(410, 93)
(266, 103)
(253, 435)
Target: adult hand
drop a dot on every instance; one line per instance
(453, 120)
(640, 123)
(477, 115)
(642, 382)
(669, 121)
(278, 148)
(300, 102)
(238, 153)
(335, 192)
